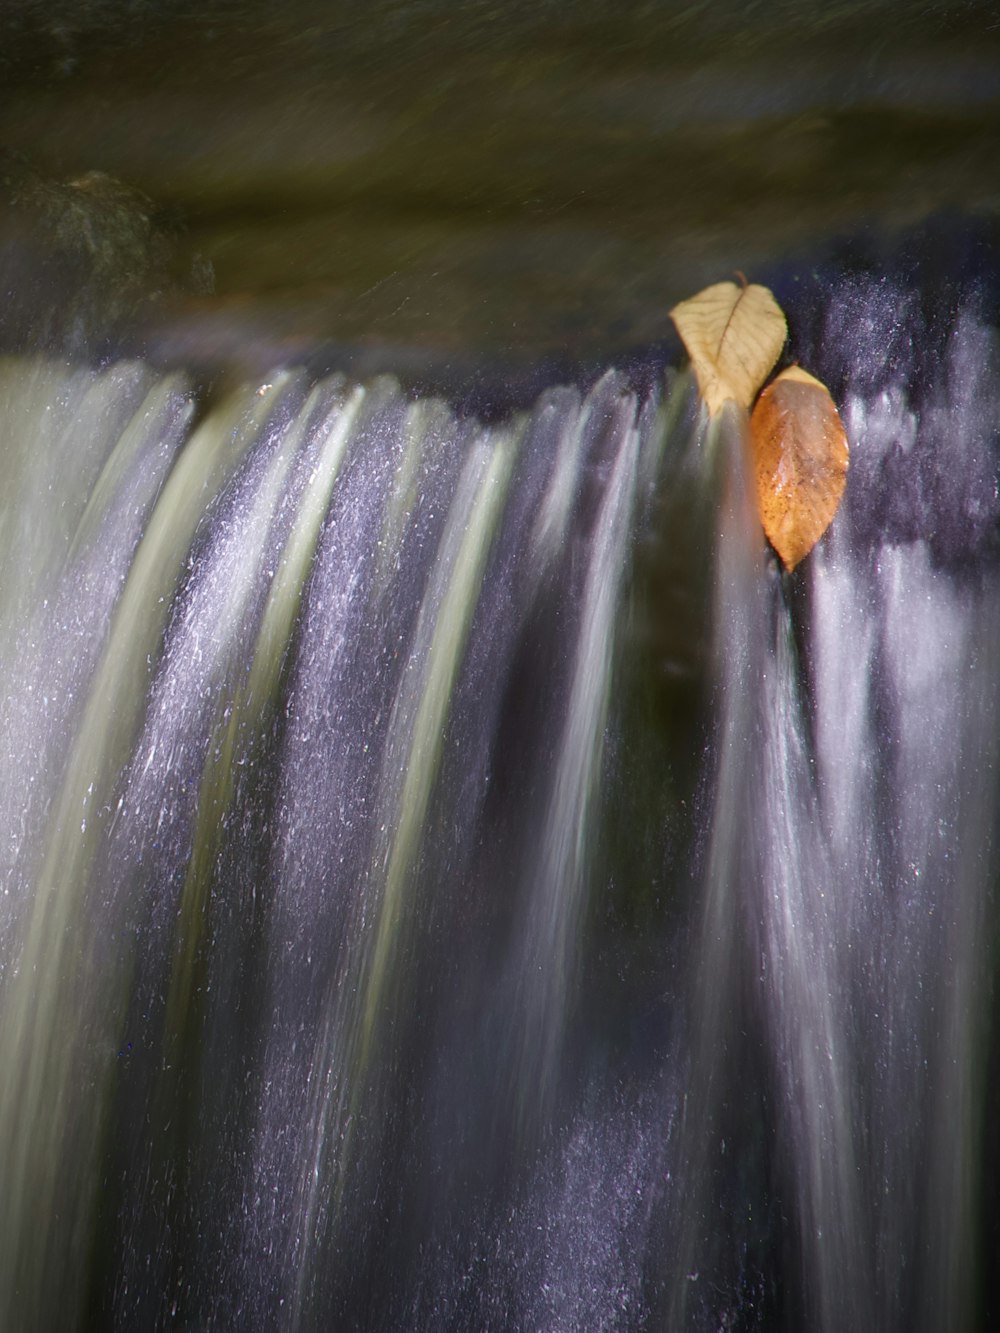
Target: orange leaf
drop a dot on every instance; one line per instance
(800, 455)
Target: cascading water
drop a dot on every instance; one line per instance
(452, 880)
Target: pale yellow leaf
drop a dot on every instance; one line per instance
(800, 456)
(734, 336)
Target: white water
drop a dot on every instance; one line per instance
(850, 893)
(365, 959)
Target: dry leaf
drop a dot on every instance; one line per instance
(800, 456)
(733, 335)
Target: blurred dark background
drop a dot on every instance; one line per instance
(525, 183)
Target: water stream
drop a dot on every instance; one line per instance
(451, 879)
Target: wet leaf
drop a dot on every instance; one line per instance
(733, 335)
(800, 456)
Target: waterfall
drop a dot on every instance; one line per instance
(452, 879)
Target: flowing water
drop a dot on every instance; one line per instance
(452, 879)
